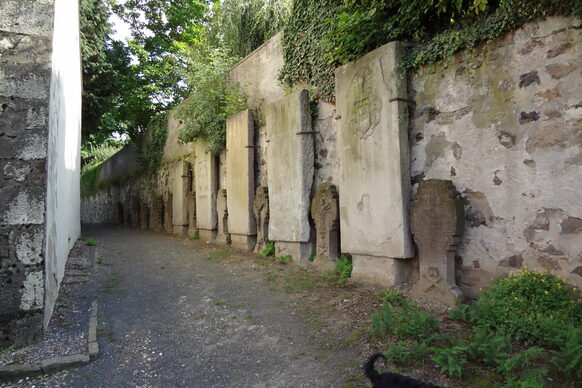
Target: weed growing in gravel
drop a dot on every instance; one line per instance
(312, 257)
(91, 241)
(283, 259)
(269, 248)
(218, 254)
(111, 284)
(343, 267)
(4, 350)
(219, 303)
(194, 237)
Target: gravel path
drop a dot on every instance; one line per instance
(169, 317)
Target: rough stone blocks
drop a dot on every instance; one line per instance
(374, 182)
(240, 178)
(290, 165)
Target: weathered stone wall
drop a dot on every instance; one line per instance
(504, 123)
(40, 91)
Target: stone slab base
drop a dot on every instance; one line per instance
(243, 241)
(323, 264)
(193, 232)
(180, 230)
(299, 251)
(380, 271)
(207, 235)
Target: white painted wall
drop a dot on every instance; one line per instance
(63, 195)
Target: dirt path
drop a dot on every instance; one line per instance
(180, 313)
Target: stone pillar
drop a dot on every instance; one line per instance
(437, 225)
(240, 179)
(192, 229)
(261, 213)
(325, 213)
(290, 158)
(222, 234)
(205, 181)
(179, 199)
(135, 208)
(144, 216)
(374, 183)
(169, 213)
(157, 214)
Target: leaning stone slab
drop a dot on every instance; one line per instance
(180, 198)
(290, 170)
(19, 370)
(373, 148)
(92, 345)
(261, 213)
(58, 363)
(240, 179)
(205, 177)
(437, 224)
(325, 213)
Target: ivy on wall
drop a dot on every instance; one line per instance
(303, 49)
(152, 148)
(321, 35)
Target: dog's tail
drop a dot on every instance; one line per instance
(369, 369)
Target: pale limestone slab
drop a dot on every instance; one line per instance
(240, 175)
(374, 182)
(180, 200)
(222, 234)
(206, 186)
(290, 167)
(383, 271)
(299, 251)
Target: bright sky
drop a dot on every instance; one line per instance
(120, 27)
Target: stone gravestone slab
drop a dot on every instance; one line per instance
(261, 213)
(222, 234)
(169, 213)
(374, 182)
(180, 201)
(290, 174)
(240, 179)
(206, 181)
(157, 214)
(192, 228)
(437, 225)
(325, 213)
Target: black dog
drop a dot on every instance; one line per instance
(391, 380)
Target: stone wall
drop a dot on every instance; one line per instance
(500, 126)
(40, 97)
(504, 124)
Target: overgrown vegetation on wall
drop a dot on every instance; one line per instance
(93, 157)
(430, 30)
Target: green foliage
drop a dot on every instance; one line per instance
(509, 366)
(383, 322)
(462, 312)
(91, 241)
(194, 237)
(303, 52)
(568, 358)
(213, 100)
(530, 306)
(415, 324)
(343, 268)
(398, 353)
(153, 142)
(429, 30)
(89, 177)
(269, 248)
(488, 346)
(283, 259)
(240, 26)
(92, 154)
(451, 360)
(395, 298)
(312, 257)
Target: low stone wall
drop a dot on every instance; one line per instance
(494, 133)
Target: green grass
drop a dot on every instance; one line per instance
(219, 303)
(218, 254)
(194, 237)
(91, 241)
(111, 284)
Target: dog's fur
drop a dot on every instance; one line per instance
(391, 380)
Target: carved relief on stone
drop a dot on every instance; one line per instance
(366, 104)
(222, 235)
(261, 212)
(325, 213)
(437, 225)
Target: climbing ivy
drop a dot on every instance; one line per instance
(303, 49)
(153, 141)
(321, 35)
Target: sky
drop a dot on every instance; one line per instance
(121, 28)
